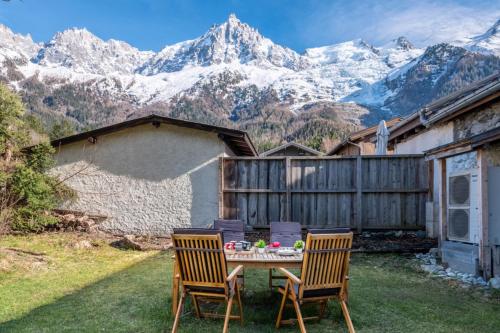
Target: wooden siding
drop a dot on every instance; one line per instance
(363, 192)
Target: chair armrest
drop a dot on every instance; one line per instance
(234, 273)
(290, 275)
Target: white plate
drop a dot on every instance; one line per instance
(286, 252)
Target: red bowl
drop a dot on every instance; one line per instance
(276, 244)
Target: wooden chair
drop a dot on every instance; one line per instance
(334, 231)
(202, 270)
(287, 233)
(232, 230)
(324, 273)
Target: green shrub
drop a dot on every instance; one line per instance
(26, 219)
(27, 192)
(40, 157)
(33, 188)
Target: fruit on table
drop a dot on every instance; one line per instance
(276, 244)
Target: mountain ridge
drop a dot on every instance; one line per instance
(233, 76)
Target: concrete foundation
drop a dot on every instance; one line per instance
(461, 257)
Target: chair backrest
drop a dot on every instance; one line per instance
(196, 231)
(329, 231)
(232, 230)
(326, 261)
(287, 233)
(200, 258)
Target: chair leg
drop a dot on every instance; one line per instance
(238, 298)
(175, 288)
(282, 307)
(196, 306)
(347, 317)
(346, 291)
(178, 313)
(228, 314)
(299, 317)
(243, 279)
(322, 309)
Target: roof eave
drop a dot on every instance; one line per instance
(291, 144)
(247, 149)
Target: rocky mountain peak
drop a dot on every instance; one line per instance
(83, 52)
(403, 43)
(229, 42)
(232, 19)
(488, 43)
(14, 45)
(232, 72)
(494, 30)
(368, 46)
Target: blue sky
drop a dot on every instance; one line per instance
(152, 24)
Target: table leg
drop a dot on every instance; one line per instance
(175, 287)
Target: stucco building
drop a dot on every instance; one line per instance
(148, 175)
(460, 137)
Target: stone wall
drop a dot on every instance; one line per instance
(477, 122)
(147, 180)
(462, 162)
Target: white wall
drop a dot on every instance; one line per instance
(431, 138)
(434, 137)
(147, 180)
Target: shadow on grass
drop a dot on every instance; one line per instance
(138, 299)
(385, 296)
(131, 300)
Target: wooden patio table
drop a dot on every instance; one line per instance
(253, 259)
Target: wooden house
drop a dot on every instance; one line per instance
(361, 142)
(291, 149)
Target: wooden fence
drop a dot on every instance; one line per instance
(368, 192)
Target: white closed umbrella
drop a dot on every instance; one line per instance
(382, 138)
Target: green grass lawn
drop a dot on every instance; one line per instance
(109, 290)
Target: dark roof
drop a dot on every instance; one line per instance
(238, 141)
(464, 97)
(291, 144)
(362, 135)
(450, 106)
(464, 145)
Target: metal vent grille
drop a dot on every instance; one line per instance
(458, 224)
(459, 190)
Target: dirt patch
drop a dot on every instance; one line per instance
(143, 243)
(13, 259)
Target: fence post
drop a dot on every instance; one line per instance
(221, 187)
(359, 194)
(288, 173)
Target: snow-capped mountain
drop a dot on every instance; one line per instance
(15, 46)
(83, 52)
(342, 69)
(488, 43)
(226, 43)
(233, 75)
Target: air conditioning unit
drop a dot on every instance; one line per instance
(463, 210)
